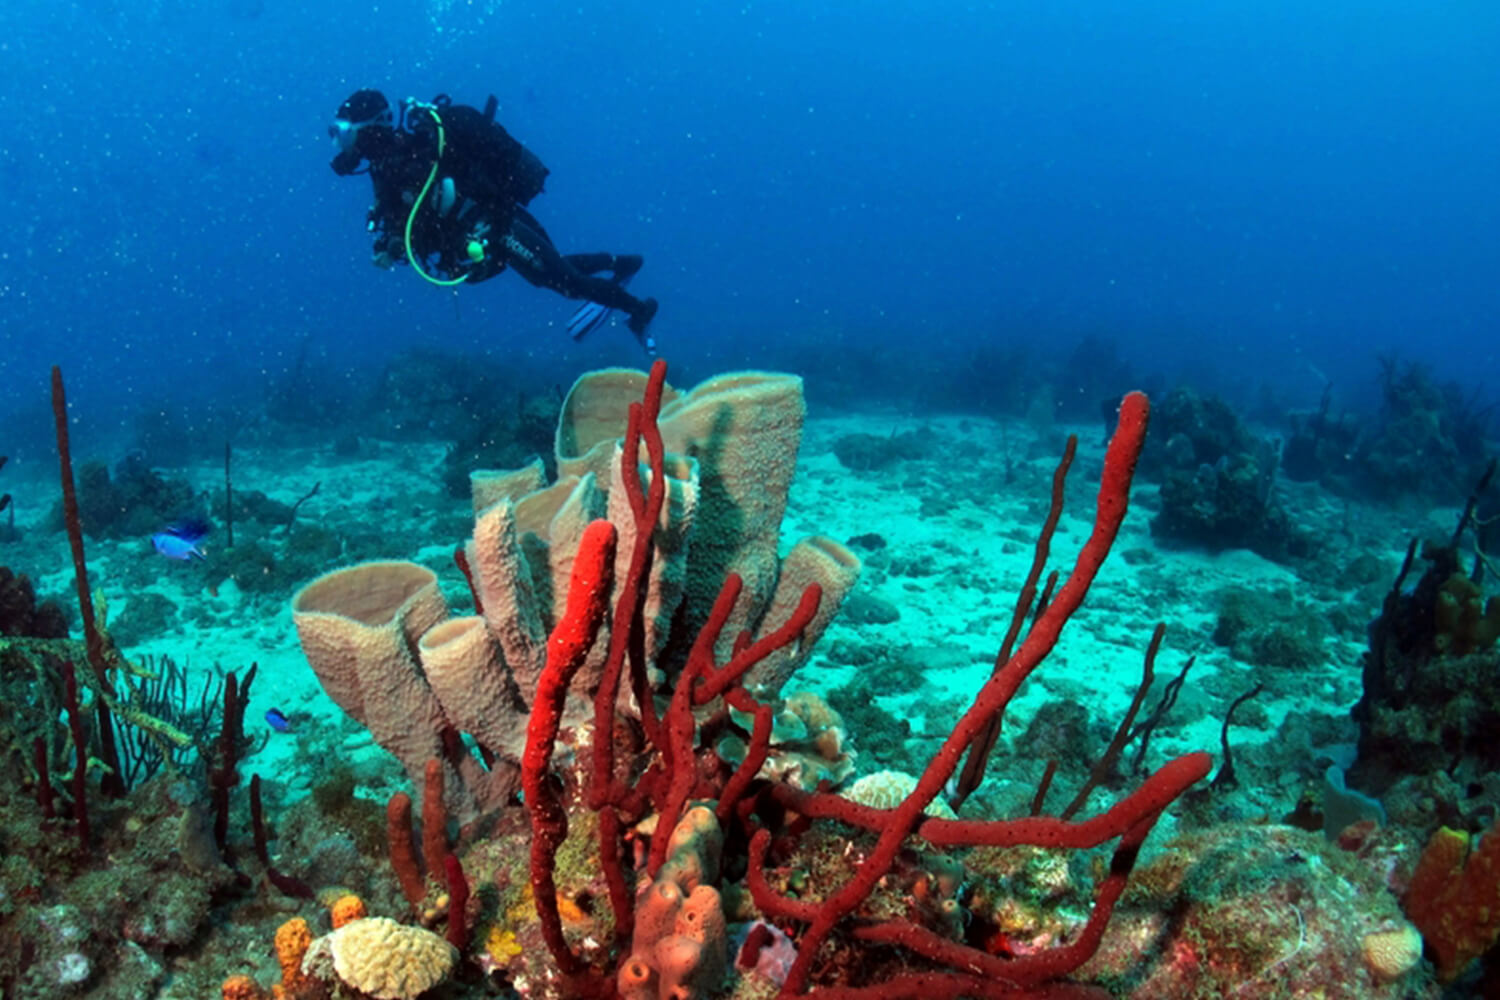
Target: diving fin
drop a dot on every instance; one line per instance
(591, 316)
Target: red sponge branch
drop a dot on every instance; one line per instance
(700, 683)
(567, 647)
(285, 884)
(458, 902)
(608, 795)
(622, 795)
(402, 846)
(1130, 819)
(44, 793)
(113, 784)
(434, 821)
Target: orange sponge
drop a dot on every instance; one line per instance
(292, 939)
(345, 909)
(1454, 898)
(242, 988)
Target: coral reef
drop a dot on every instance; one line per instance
(21, 615)
(1260, 912)
(1429, 439)
(865, 452)
(1431, 688)
(133, 501)
(617, 794)
(106, 870)
(1320, 446)
(1269, 629)
(1218, 482)
(648, 758)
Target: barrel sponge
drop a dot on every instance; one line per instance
(521, 557)
(467, 674)
(507, 591)
(744, 429)
(488, 487)
(390, 961)
(672, 543)
(358, 627)
(819, 560)
(593, 417)
(350, 617)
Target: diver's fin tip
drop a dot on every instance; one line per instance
(589, 317)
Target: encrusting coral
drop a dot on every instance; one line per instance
(886, 789)
(1392, 953)
(372, 956)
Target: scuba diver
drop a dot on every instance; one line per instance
(451, 190)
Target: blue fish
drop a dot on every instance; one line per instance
(278, 721)
(180, 539)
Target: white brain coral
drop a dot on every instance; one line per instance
(1393, 953)
(390, 961)
(886, 789)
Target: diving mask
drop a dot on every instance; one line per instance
(345, 133)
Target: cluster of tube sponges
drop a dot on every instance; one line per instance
(381, 639)
(679, 949)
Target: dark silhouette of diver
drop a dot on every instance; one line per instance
(451, 189)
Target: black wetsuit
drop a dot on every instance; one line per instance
(489, 184)
(527, 248)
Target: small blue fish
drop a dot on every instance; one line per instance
(278, 721)
(180, 540)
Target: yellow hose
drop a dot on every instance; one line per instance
(412, 216)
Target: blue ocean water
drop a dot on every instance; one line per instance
(1244, 192)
